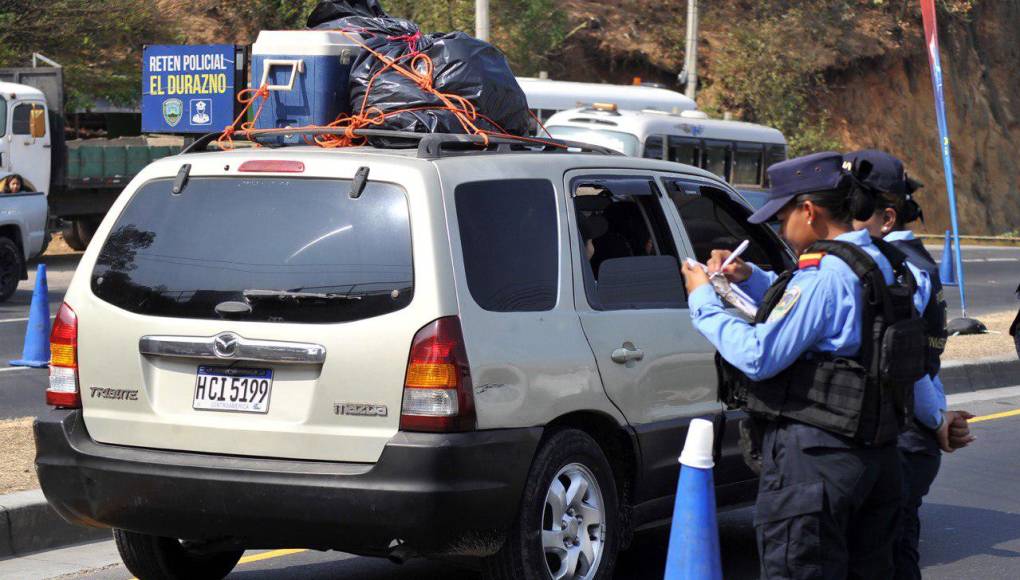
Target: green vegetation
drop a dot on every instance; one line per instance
(527, 31)
(255, 15)
(98, 43)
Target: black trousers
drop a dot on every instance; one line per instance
(919, 471)
(826, 508)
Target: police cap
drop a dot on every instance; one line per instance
(809, 174)
(881, 172)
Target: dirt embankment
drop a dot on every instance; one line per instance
(887, 102)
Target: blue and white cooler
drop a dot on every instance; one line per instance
(307, 73)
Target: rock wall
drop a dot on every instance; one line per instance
(887, 102)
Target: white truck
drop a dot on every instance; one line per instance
(24, 153)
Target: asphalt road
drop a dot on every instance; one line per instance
(21, 389)
(970, 527)
(992, 275)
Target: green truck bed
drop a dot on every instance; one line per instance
(102, 163)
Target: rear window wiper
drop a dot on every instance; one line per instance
(256, 294)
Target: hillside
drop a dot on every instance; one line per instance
(829, 73)
(844, 73)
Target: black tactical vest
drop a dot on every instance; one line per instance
(867, 397)
(934, 314)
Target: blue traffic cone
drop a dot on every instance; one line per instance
(37, 336)
(694, 536)
(947, 269)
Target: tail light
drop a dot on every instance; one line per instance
(437, 388)
(63, 390)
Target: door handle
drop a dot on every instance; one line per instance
(627, 353)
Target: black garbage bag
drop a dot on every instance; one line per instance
(330, 10)
(462, 65)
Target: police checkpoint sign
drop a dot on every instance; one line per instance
(189, 89)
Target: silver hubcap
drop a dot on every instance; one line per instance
(573, 533)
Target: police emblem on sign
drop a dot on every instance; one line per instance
(173, 111)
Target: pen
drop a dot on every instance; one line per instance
(740, 250)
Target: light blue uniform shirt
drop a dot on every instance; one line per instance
(822, 313)
(929, 394)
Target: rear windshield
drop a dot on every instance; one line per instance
(266, 249)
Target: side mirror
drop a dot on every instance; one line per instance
(37, 122)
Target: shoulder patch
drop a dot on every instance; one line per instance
(786, 304)
(810, 260)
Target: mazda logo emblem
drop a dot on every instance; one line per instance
(225, 345)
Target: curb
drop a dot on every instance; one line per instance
(29, 524)
(981, 374)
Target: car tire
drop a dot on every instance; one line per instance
(558, 527)
(12, 264)
(86, 229)
(70, 235)
(155, 558)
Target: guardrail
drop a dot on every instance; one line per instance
(975, 240)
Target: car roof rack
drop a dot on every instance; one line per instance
(429, 145)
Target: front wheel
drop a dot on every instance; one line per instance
(12, 263)
(155, 558)
(568, 527)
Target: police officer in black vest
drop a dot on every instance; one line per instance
(816, 368)
(932, 427)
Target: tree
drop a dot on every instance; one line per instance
(527, 31)
(99, 44)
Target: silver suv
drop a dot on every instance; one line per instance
(447, 350)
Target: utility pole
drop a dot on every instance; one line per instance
(691, 55)
(482, 20)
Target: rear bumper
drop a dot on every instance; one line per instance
(434, 493)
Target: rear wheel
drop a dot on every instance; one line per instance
(568, 527)
(155, 558)
(11, 266)
(86, 228)
(70, 235)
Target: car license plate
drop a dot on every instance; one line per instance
(233, 389)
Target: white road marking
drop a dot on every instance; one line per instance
(52, 316)
(9, 369)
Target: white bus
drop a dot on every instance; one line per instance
(735, 151)
(547, 97)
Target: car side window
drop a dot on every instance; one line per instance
(3, 116)
(21, 121)
(509, 239)
(628, 255)
(714, 221)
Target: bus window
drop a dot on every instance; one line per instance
(653, 147)
(747, 162)
(716, 159)
(683, 151)
(773, 154)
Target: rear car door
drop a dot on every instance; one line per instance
(630, 297)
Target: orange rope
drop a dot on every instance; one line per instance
(225, 139)
(420, 72)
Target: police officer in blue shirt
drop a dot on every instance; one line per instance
(829, 494)
(933, 427)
